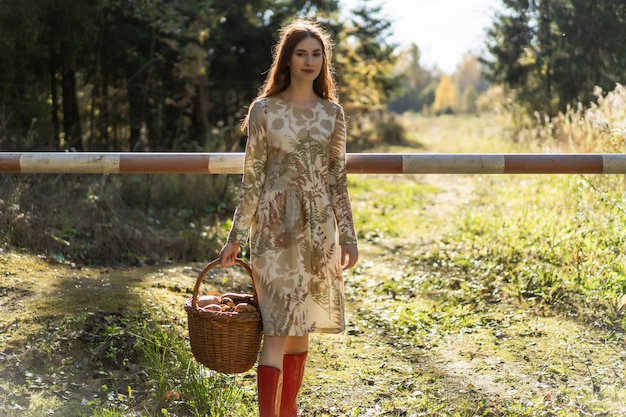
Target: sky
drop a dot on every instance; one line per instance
(444, 30)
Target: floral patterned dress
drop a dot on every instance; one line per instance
(295, 210)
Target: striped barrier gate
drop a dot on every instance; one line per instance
(357, 163)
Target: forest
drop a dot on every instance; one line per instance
(177, 75)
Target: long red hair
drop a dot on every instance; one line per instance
(279, 78)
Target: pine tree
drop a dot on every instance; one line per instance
(553, 52)
(365, 60)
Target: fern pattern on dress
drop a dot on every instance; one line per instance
(295, 209)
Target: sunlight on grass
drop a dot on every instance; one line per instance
(459, 134)
(385, 206)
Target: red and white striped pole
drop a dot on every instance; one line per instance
(357, 163)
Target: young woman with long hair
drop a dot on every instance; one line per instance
(294, 210)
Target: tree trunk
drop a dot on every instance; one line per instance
(202, 109)
(54, 93)
(71, 117)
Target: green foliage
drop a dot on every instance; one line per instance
(143, 364)
(485, 279)
(564, 253)
(426, 92)
(469, 100)
(365, 61)
(553, 53)
(516, 257)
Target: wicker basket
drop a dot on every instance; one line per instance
(226, 342)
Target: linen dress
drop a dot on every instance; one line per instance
(295, 211)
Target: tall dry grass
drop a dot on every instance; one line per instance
(587, 128)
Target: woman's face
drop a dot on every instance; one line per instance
(307, 59)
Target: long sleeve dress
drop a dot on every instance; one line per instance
(294, 209)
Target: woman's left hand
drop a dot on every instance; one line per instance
(349, 256)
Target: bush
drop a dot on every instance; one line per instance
(373, 129)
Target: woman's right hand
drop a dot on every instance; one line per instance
(228, 254)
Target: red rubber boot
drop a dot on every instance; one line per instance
(269, 389)
(293, 371)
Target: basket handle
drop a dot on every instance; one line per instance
(211, 265)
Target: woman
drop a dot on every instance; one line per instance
(295, 210)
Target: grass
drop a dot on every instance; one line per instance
(474, 296)
(120, 352)
(527, 269)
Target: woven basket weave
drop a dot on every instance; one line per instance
(226, 342)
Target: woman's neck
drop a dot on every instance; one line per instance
(300, 94)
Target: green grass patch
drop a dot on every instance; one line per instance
(388, 206)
